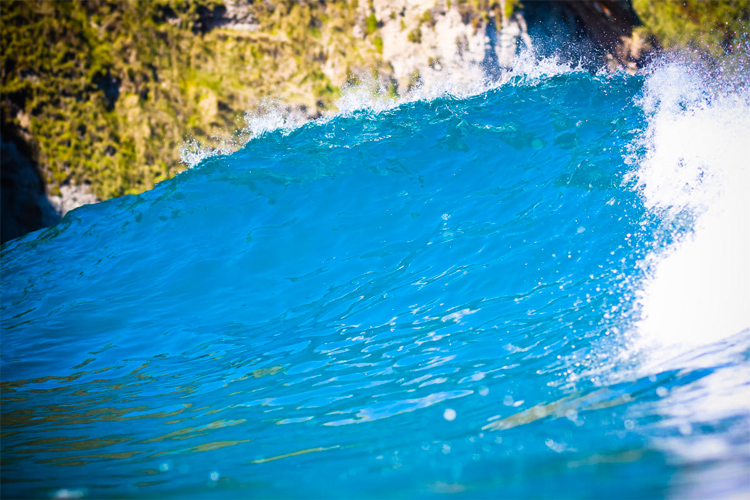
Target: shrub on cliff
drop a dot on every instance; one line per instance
(107, 90)
(712, 27)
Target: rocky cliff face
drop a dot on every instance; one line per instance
(440, 44)
(107, 112)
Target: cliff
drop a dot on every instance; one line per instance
(99, 97)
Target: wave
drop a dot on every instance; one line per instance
(695, 175)
(410, 296)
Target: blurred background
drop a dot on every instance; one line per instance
(104, 98)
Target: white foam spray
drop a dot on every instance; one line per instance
(696, 169)
(193, 152)
(369, 95)
(691, 311)
(271, 115)
(528, 69)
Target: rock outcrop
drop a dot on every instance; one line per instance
(72, 196)
(436, 44)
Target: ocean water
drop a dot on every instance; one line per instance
(538, 288)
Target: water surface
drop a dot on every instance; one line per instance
(535, 290)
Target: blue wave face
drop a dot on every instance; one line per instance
(438, 297)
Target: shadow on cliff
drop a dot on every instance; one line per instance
(25, 206)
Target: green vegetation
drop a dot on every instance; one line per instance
(107, 90)
(415, 35)
(712, 27)
(371, 24)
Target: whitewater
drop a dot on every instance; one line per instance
(531, 288)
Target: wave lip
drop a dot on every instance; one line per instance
(367, 95)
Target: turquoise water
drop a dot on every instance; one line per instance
(538, 289)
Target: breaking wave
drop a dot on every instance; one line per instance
(525, 288)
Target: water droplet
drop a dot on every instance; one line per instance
(66, 493)
(449, 414)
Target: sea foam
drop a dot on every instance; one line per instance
(696, 172)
